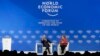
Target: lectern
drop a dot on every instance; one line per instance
(6, 43)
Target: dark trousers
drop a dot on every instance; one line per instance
(47, 48)
(62, 48)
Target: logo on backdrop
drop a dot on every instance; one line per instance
(51, 8)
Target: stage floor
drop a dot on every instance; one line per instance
(82, 52)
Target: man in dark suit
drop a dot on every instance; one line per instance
(46, 43)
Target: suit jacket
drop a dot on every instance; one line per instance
(46, 43)
(63, 41)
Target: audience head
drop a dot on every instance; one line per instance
(55, 53)
(45, 53)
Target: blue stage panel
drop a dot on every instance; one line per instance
(26, 22)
